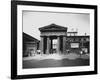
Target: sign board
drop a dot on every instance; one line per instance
(74, 45)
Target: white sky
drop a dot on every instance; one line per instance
(32, 20)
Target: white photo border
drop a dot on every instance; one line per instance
(21, 71)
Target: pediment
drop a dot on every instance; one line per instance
(52, 27)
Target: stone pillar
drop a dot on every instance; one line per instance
(51, 46)
(48, 46)
(82, 42)
(36, 48)
(58, 44)
(64, 44)
(42, 45)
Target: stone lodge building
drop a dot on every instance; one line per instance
(50, 32)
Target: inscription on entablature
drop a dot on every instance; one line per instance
(52, 33)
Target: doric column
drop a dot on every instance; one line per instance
(64, 44)
(82, 42)
(58, 44)
(51, 47)
(36, 49)
(48, 45)
(42, 45)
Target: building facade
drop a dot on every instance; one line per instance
(48, 34)
(75, 44)
(30, 45)
(55, 39)
(65, 41)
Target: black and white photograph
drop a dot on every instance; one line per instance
(53, 39)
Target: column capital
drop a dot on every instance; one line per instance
(48, 36)
(58, 36)
(61, 36)
(42, 36)
(64, 35)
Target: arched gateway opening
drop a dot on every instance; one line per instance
(52, 33)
